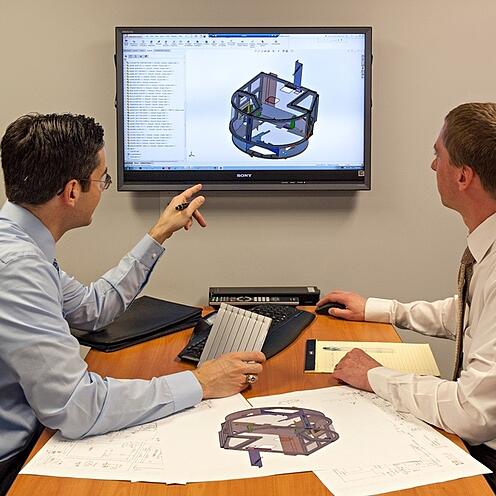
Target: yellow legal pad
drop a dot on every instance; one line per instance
(322, 356)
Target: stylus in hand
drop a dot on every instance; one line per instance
(182, 206)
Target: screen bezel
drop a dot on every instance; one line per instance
(229, 180)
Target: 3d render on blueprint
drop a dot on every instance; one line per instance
(288, 430)
(272, 117)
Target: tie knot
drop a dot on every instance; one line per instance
(467, 257)
(466, 270)
(55, 264)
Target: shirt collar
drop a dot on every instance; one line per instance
(35, 229)
(482, 238)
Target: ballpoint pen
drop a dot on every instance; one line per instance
(182, 206)
(371, 350)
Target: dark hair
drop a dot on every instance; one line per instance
(41, 153)
(470, 138)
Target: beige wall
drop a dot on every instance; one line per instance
(396, 240)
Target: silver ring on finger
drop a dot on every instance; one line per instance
(250, 378)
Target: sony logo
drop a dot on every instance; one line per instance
(243, 175)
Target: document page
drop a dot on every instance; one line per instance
(406, 357)
(354, 441)
(378, 449)
(130, 454)
(142, 453)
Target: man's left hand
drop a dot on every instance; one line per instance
(353, 369)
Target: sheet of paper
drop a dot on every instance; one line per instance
(378, 449)
(192, 440)
(130, 454)
(406, 357)
(141, 453)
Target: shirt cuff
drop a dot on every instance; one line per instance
(379, 378)
(378, 310)
(147, 251)
(185, 389)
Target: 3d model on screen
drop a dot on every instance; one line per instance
(292, 431)
(272, 117)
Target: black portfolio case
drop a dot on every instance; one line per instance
(146, 318)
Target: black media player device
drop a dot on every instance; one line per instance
(249, 296)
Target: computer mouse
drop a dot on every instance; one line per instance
(324, 309)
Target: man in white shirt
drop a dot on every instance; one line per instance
(465, 166)
(55, 173)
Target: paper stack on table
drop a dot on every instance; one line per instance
(377, 449)
(322, 356)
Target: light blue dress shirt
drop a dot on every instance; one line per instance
(41, 373)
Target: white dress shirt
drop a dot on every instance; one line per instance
(41, 373)
(467, 406)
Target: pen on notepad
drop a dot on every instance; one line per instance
(343, 348)
(182, 206)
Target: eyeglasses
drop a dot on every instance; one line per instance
(104, 183)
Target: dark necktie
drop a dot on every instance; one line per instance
(56, 265)
(464, 277)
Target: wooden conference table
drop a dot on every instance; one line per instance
(282, 373)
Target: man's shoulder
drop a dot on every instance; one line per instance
(16, 244)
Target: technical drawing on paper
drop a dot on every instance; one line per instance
(390, 451)
(272, 117)
(288, 430)
(134, 451)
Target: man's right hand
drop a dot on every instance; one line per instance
(226, 375)
(355, 305)
(172, 220)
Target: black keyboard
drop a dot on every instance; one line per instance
(287, 324)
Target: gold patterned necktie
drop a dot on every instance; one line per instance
(464, 277)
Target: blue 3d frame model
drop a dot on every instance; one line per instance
(288, 430)
(272, 117)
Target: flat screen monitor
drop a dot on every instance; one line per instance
(243, 108)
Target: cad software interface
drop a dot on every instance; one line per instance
(216, 101)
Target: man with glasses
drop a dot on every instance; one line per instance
(55, 172)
